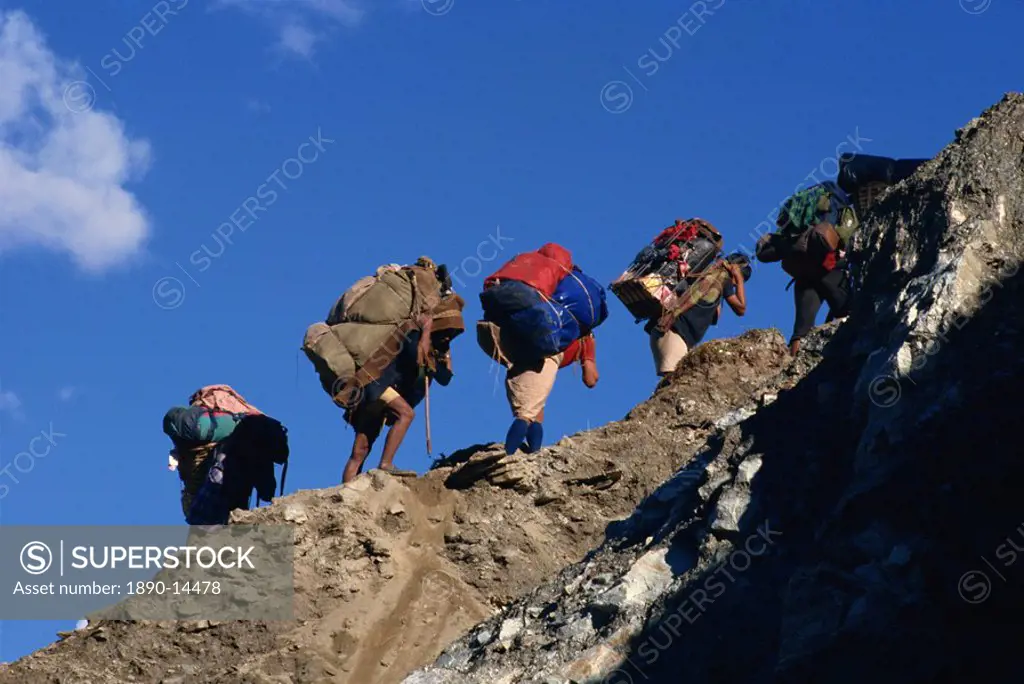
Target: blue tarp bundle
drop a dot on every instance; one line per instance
(584, 298)
(192, 425)
(546, 327)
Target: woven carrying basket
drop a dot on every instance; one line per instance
(868, 193)
(646, 296)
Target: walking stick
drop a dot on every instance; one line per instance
(426, 399)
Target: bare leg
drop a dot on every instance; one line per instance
(403, 415)
(361, 447)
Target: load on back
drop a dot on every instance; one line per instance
(224, 449)
(678, 258)
(367, 326)
(865, 176)
(813, 225)
(537, 304)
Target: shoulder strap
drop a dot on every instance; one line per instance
(706, 282)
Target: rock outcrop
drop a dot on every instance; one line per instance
(850, 515)
(864, 526)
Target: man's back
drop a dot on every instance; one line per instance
(694, 323)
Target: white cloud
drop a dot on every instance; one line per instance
(298, 39)
(296, 18)
(66, 393)
(63, 165)
(10, 403)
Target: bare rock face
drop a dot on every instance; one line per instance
(864, 525)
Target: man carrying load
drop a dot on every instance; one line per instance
(676, 285)
(815, 228)
(224, 449)
(383, 341)
(392, 398)
(682, 328)
(540, 311)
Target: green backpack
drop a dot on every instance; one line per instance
(824, 203)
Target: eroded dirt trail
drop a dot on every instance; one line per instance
(425, 605)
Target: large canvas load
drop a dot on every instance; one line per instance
(667, 267)
(337, 352)
(369, 323)
(392, 295)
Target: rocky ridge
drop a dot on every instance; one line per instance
(854, 529)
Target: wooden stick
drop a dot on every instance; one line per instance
(426, 399)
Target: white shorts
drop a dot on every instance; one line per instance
(668, 350)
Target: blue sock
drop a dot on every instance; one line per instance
(516, 435)
(534, 437)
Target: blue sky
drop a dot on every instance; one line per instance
(377, 131)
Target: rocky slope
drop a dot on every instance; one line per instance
(847, 516)
(864, 527)
(389, 571)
